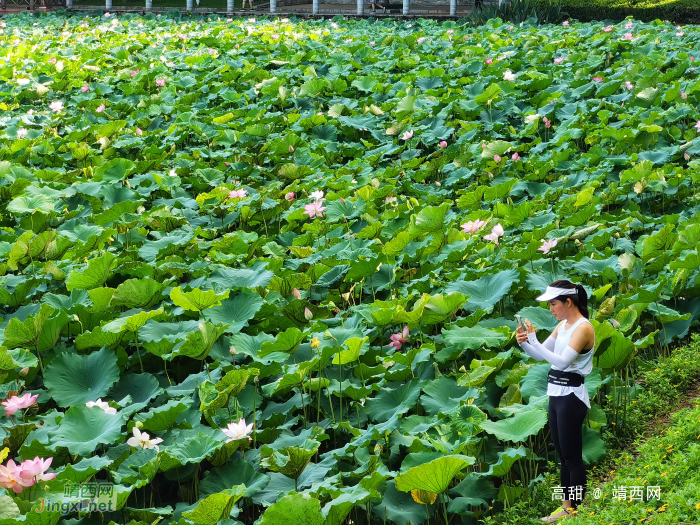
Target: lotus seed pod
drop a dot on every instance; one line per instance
(139, 424)
(378, 448)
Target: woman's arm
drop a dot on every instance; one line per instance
(533, 352)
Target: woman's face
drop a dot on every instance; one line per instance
(557, 308)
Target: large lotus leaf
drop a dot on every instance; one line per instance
(593, 446)
(199, 343)
(441, 308)
(466, 419)
(83, 469)
(299, 509)
(616, 352)
(163, 417)
(137, 293)
(38, 331)
(444, 395)
(31, 204)
(216, 507)
(541, 318)
(484, 293)
(343, 501)
(172, 243)
(74, 379)
(290, 461)
(430, 219)
(256, 275)
(434, 476)
(517, 428)
(391, 402)
(196, 300)
(131, 323)
(236, 379)
(8, 508)
(286, 341)
(476, 377)
(191, 449)
(233, 473)
(98, 338)
(474, 490)
(506, 459)
(235, 312)
(94, 275)
(664, 314)
(355, 348)
(139, 468)
(474, 337)
(399, 507)
(83, 428)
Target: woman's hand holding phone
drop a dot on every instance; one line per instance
(521, 333)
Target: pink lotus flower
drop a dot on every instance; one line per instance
(516, 157)
(565, 23)
(443, 144)
(308, 314)
(238, 430)
(547, 245)
(489, 61)
(139, 132)
(57, 106)
(628, 36)
(399, 338)
(275, 37)
(608, 29)
(135, 72)
(85, 88)
(559, 60)
(496, 232)
(407, 135)
(628, 25)
(497, 158)
(314, 209)
(598, 79)
(101, 108)
(52, 60)
(160, 82)
(317, 195)
(421, 40)
(686, 156)
(238, 194)
(547, 123)
(15, 403)
(472, 227)
(628, 85)
(11, 477)
(450, 31)
(371, 43)
(289, 196)
(33, 469)
(296, 293)
(692, 58)
(22, 133)
(680, 34)
(697, 126)
(683, 95)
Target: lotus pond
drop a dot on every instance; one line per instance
(267, 270)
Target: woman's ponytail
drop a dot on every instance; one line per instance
(580, 299)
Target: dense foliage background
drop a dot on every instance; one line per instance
(325, 228)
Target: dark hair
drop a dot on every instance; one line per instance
(580, 299)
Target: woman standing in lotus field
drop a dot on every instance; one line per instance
(569, 350)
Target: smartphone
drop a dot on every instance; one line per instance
(520, 321)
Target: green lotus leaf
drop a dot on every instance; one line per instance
(506, 459)
(286, 342)
(94, 275)
(517, 428)
(440, 308)
(434, 476)
(399, 507)
(191, 449)
(8, 508)
(31, 204)
(473, 338)
(199, 343)
(83, 469)
(235, 312)
(233, 473)
(83, 428)
(196, 300)
(137, 293)
(215, 507)
(391, 402)
(236, 379)
(474, 490)
(484, 293)
(288, 460)
(614, 352)
(40, 331)
(163, 417)
(139, 468)
(74, 379)
(131, 323)
(300, 509)
(467, 418)
(98, 338)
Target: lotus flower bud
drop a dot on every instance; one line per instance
(307, 314)
(378, 448)
(256, 379)
(617, 235)
(139, 424)
(232, 351)
(24, 371)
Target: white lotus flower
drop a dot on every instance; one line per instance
(143, 440)
(508, 75)
(237, 430)
(103, 405)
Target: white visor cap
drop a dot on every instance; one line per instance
(553, 292)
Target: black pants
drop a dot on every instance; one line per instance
(566, 415)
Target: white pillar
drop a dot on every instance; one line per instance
(273, 6)
(108, 4)
(316, 8)
(453, 7)
(69, 5)
(229, 7)
(360, 7)
(406, 7)
(149, 5)
(189, 6)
